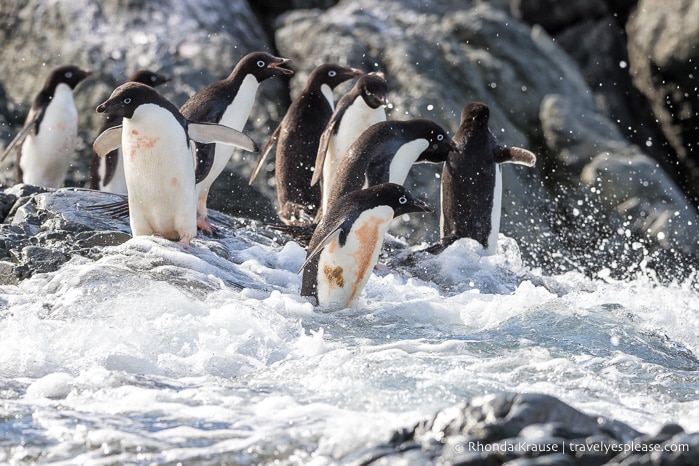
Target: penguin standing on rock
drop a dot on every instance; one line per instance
(385, 153)
(159, 160)
(227, 102)
(47, 141)
(107, 173)
(297, 138)
(471, 190)
(356, 111)
(346, 243)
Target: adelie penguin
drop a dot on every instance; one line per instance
(471, 190)
(159, 160)
(107, 173)
(346, 243)
(297, 138)
(356, 111)
(227, 102)
(386, 151)
(46, 143)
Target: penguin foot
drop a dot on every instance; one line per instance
(206, 226)
(184, 242)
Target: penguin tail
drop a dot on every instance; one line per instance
(116, 210)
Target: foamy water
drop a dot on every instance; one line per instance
(152, 354)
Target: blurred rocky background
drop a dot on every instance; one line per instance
(603, 91)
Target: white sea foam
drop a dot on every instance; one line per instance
(161, 354)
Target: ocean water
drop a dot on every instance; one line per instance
(155, 355)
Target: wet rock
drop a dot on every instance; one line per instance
(663, 45)
(510, 429)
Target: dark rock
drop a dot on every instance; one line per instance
(555, 16)
(503, 429)
(663, 47)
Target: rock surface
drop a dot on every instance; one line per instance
(526, 429)
(558, 81)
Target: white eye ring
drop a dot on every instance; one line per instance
(440, 137)
(403, 200)
(69, 74)
(153, 78)
(332, 73)
(127, 100)
(261, 64)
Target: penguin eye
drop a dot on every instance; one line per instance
(153, 78)
(332, 73)
(127, 100)
(403, 200)
(367, 91)
(440, 137)
(69, 74)
(261, 63)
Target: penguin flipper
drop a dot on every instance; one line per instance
(516, 155)
(208, 133)
(322, 150)
(19, 138)
(263, 156)
(107, 141)
(324, 242)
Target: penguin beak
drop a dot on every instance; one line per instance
(282, 65)
(423, 206)
(417, 205)
(356, 72)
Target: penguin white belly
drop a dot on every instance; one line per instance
(404, 159)
(357, 118)
(235, 116)
(343, 271)
(159, 172)
(328, 94)
(46, 156)
(117, 183)
(495, 212)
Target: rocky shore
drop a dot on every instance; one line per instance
(602, 91)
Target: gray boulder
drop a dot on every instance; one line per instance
(663, 46)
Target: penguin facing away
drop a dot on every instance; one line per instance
(227, 102)
(356, 111)
(346, 243)
(107, 173)
(386, 151)
(46, 143)
(297, 138)
(159, 160)
(471, 188)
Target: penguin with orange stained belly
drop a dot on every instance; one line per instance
(346, 244)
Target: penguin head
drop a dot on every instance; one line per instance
(373, 88)
(475, 114)
(148, 77)
(333, 74)
(262, 65)
(70, 75)
(397, 197)
(127, 98)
